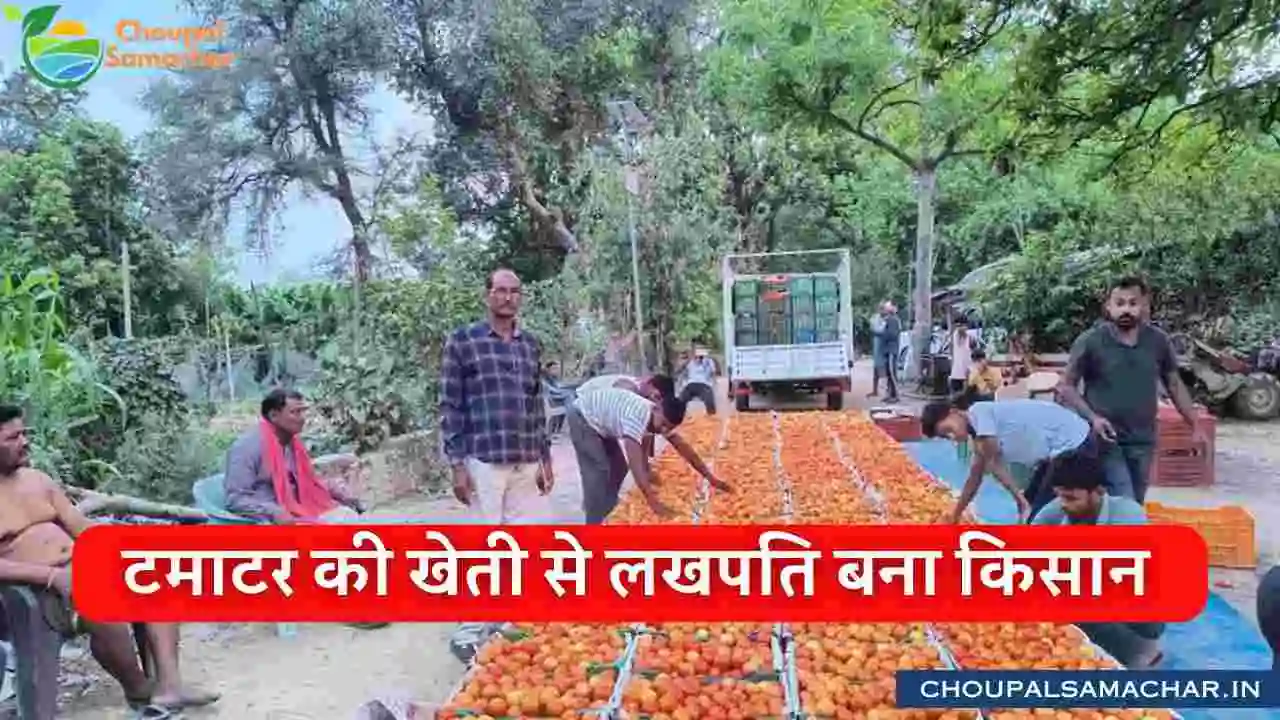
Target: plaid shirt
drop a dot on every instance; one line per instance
(491, 403)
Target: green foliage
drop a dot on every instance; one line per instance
(379, 379)
(140, 373)
(1102, 69)
(682, 229)
(66, 205)
(367, 399)
(160, 459)
(1209, 254)
(772, 126)
(40, 370)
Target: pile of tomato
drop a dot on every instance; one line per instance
(804, 468)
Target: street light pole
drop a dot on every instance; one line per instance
(632, 181)
(628, 117)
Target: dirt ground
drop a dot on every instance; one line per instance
(326, 672)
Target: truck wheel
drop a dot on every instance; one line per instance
(742, 403)
(1258, 399)
(835, 401)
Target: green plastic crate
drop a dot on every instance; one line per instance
(826, 306)
(826, 322)
(746, 289)
(826, 287)
(801, 287)
(776, 330)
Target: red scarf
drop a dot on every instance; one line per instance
(313, 499)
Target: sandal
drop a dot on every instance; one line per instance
(199, 699)
(156, 712)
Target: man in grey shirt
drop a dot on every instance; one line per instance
(1121, 363)
(249, 484)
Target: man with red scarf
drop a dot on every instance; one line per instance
(269, 475)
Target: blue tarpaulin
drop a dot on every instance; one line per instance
(1220, 638)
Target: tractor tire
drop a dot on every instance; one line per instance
(742, 403)
(1259, 399)
(835, 401)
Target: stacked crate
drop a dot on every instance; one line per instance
(1227, 531)
(826, 309)
(775, 314)
(746, 310)
(803, 320)
(1178, 461)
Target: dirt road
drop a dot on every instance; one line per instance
(327, 671)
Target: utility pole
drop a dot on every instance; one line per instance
(126, 281)
(630, 122)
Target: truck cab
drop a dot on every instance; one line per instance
(788, 332)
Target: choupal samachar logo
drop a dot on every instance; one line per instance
(59, 53)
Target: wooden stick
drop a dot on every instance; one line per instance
(91, 502)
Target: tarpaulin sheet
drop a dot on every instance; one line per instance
(1220, 638)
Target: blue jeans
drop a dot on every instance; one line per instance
(1127, 467)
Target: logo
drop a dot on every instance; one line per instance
(59, 54)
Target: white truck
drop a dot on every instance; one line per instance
(788, 331)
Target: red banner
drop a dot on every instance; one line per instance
(832, 573)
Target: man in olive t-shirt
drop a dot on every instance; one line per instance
(1121, 363)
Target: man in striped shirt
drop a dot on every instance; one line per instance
(610, 426)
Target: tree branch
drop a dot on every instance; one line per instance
(549, 218)
(828, 115)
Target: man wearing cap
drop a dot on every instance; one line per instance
(699, 380)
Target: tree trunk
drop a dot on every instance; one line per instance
(926, 207)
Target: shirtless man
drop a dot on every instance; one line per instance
(38, 526)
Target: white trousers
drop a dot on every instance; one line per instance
(507, 494)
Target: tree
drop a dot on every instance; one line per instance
(1130, 73)
(683, 227)
(284, 115)
(921, 83)
(523, 97)
(66, 206)
(28, 109)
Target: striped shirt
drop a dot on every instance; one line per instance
(604, 382)
(616, 413)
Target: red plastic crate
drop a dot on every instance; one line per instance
(1179, 462)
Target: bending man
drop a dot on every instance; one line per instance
(1033, 433)
(610, 429)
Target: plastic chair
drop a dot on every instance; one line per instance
(557, 398)
(211, 497)
(36, 648)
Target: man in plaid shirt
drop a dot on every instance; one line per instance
(492, 417)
